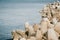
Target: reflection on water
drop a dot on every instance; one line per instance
(14, 15)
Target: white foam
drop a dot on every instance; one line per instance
(26, 24)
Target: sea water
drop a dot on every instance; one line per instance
(14, 15)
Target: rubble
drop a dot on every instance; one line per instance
(47, 29)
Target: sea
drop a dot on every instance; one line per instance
(14, 14)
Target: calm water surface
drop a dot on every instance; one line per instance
(14, 15)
